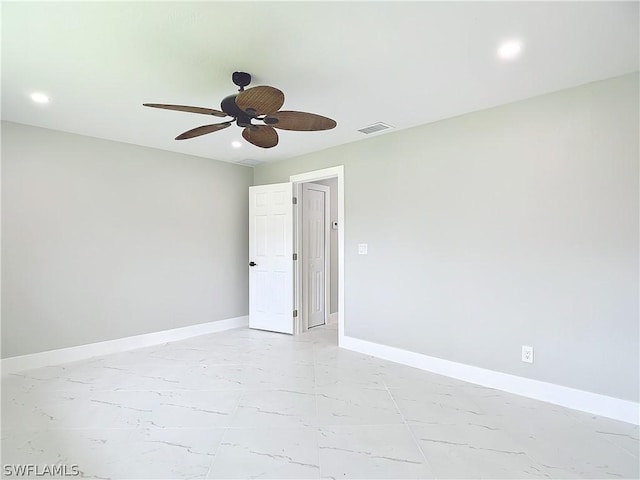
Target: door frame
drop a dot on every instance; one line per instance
(326, 267)
(297, 180)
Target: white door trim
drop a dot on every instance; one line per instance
(316, 175)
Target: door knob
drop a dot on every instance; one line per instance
(252, 264)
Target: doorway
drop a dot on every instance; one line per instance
(275, 236)
(331, 287)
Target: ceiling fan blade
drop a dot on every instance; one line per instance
(300, 121)
(261, 136)
(262, 100)
(204, 129)
(185, 108)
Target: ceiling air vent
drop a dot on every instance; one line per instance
(376, 127)
(249, 162)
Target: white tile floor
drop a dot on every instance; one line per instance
(251, 404)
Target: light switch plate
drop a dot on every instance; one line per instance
(362, 248)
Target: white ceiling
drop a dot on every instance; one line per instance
(404, 64)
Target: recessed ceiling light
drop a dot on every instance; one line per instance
(510, 50)
(236, 144)
(39, 97)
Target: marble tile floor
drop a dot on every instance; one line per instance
(252, 404)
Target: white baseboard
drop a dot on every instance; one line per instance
(81, 352)
(595, 403)
(333, 318)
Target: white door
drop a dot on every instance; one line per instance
(271, 257)
(314, 253)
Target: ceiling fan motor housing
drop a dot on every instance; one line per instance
(228, 106)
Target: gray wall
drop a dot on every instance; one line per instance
(332, 183)
(510, 226)
(102, 240)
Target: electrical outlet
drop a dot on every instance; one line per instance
(362, 248)
(527, 354)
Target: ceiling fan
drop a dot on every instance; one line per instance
(257, 103)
